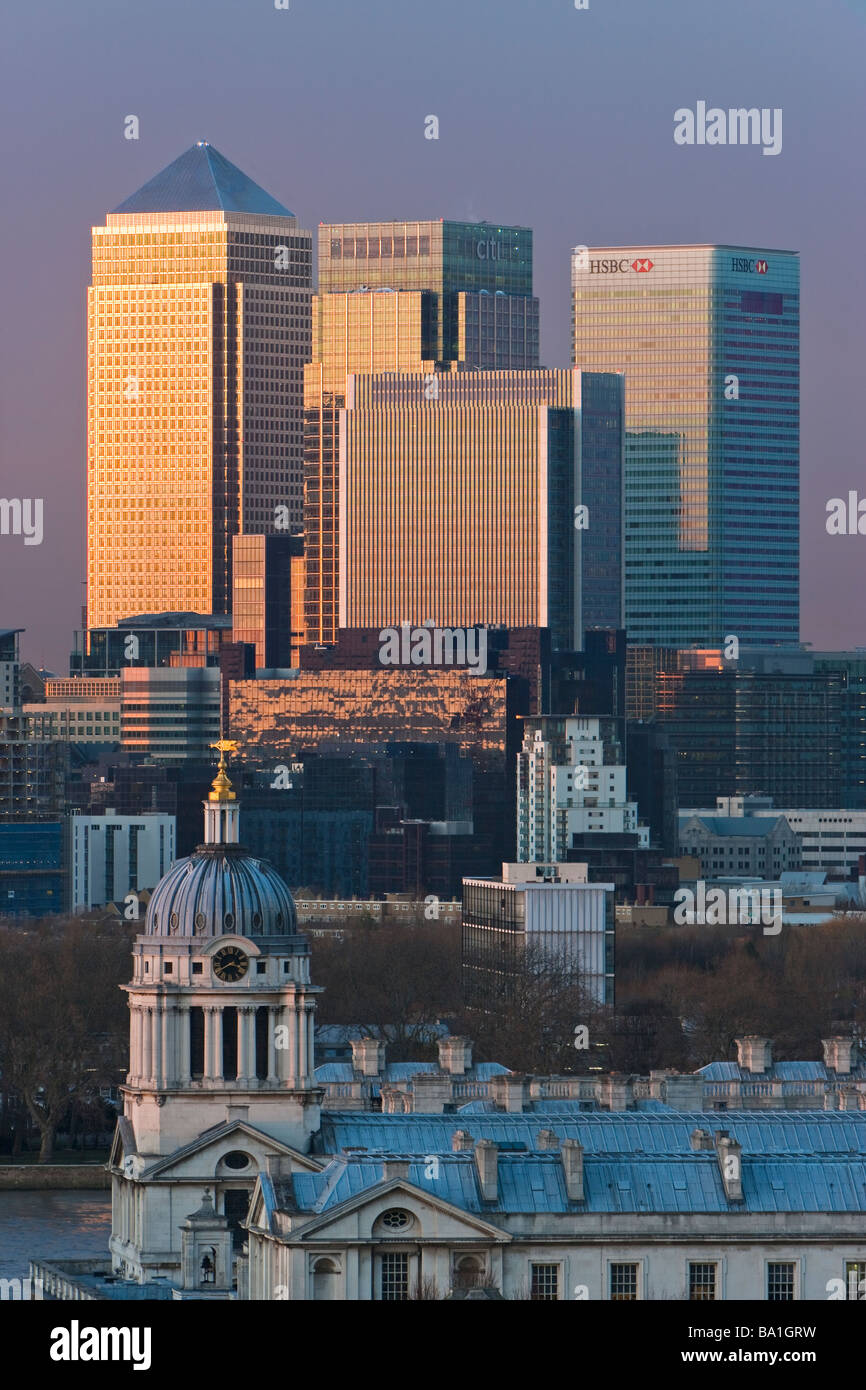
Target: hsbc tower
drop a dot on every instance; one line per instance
(709, 340)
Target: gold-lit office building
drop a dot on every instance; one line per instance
(401, 297)
(198, 330)
(460, 496)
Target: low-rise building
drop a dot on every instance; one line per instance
(536, 913)
(751, 845)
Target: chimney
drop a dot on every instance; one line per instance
(368, 1056)
(509, 1092)
(838, 1054)
(395, 1168)
(461, 1139)
(754, 1054)
(730, 1158)
(455, 1055)
(547, 1139)
(487, 1164)
(617, 1091)
(700, 1140)
(278, 1165)
(571, 1154)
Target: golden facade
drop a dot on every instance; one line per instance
(198, 329)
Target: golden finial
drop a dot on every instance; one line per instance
(222, 787)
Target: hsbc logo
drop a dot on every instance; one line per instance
(746, 263)
(761, 267)
(614, 267)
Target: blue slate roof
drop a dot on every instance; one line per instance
(534, 1182)
(202, 180)
(740, 825)
(777, 1071)
(783, 1133)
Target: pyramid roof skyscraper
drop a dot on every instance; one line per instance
(202, 180)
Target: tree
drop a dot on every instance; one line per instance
(63, 1019)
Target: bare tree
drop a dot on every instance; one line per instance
(63, 1019)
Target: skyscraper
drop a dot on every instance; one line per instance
(198, 330)
(458, 263)
(401, 296)
(708, 338)
(459, 494)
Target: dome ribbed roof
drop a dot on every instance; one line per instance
(221, 889)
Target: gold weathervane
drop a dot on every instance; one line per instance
(222, 788)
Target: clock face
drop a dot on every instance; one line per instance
(230, 964)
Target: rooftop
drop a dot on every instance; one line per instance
(202, 180)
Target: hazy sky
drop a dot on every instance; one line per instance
(553, 117)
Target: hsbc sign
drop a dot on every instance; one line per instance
(748, 263)
(615, 267)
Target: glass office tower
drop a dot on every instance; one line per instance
(708, 338)
(447, 258)
(457, 496)
(198, 330)
(401, 296)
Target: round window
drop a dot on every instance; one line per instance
(200, 921)
(279, 919)
(236, 1160)
(229, 919)
(257, 921)
(173, 921)
(396, 1220)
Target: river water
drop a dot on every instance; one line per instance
(54, 1225)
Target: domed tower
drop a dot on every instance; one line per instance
(221, 1005)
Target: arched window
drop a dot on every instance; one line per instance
(207, 1268)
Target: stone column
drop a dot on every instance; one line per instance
(135, 1062)
(311, 1043)
(246, 1043)
(158, 1018)
(291, 1012)
(184, 1074)
(210, 1028)
(168, 1062)
(147, 1049)
(273, 1069)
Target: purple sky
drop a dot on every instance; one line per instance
(549, 116)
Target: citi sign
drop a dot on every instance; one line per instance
(749, 264)
(492, 251)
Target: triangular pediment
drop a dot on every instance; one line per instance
(187, 1163)
(356, 1217)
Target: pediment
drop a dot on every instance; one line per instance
(199, 1159)
(355, 1219)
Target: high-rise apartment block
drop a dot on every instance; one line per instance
(401, 297)
(708, 338)
(198, 331)
(461, 497)
(571, 780)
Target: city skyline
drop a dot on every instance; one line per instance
(493, 158)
